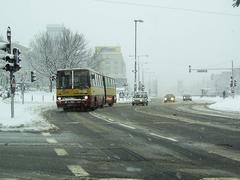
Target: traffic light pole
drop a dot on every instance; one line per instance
(12, 59)
(12, 94)
(9, 37)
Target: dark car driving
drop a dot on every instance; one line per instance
(169, 98)
(187, 97)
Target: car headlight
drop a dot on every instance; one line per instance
(85, 97)
(141, 100)
(59, 98)
(172, 98)
(165, 99)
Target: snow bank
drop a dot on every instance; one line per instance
(27, 115)
(227, 104)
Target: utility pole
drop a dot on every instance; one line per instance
(135, 55)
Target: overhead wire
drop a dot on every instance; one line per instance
(169, 8)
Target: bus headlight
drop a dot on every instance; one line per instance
(85, 97)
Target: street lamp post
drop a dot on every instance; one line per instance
(139, 79)
(135, 63)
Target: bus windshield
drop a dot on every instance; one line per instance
(64, 79)
(81, 79)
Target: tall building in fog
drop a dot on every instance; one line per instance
(55, 29)
(109, 60)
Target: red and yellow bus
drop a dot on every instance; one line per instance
(82, 88)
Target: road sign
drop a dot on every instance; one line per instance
(202, 70)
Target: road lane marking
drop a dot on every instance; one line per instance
(61, 152)
(51, 140)
(127, 126)
(101, 117)
(163, 137)
(109, 120)
(46, 134)
(78, 170)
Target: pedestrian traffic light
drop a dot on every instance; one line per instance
(235, 83)
(33, 76)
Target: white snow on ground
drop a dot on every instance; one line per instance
(227, 104)
(28, 115)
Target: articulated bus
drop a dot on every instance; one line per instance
(84, 89)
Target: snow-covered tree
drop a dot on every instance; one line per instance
(51, 52)
(236, 3)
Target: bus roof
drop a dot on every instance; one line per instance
(88, 69)
(73, 69)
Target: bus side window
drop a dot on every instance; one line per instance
(97, 80)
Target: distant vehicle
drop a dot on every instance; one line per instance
(140, 98)
(187, 97)
(169, 98)
(84, 89)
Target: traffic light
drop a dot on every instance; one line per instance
(231, 81)
(16, 53)
(190, 69)
(235, 83)
(10, 59)
(53, 78)
(13, 61)
(33, 76)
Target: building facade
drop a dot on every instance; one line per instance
(55, 29)
(109, 60)
(221, 82)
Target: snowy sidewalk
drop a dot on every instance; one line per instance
(28, 115)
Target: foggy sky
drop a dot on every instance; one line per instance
(172, 38)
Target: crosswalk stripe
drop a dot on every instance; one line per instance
(46, 134)
(61, 152)
(78, 170)
(51, 140)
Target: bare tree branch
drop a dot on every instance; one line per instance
(236, 3)
(66, 50)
